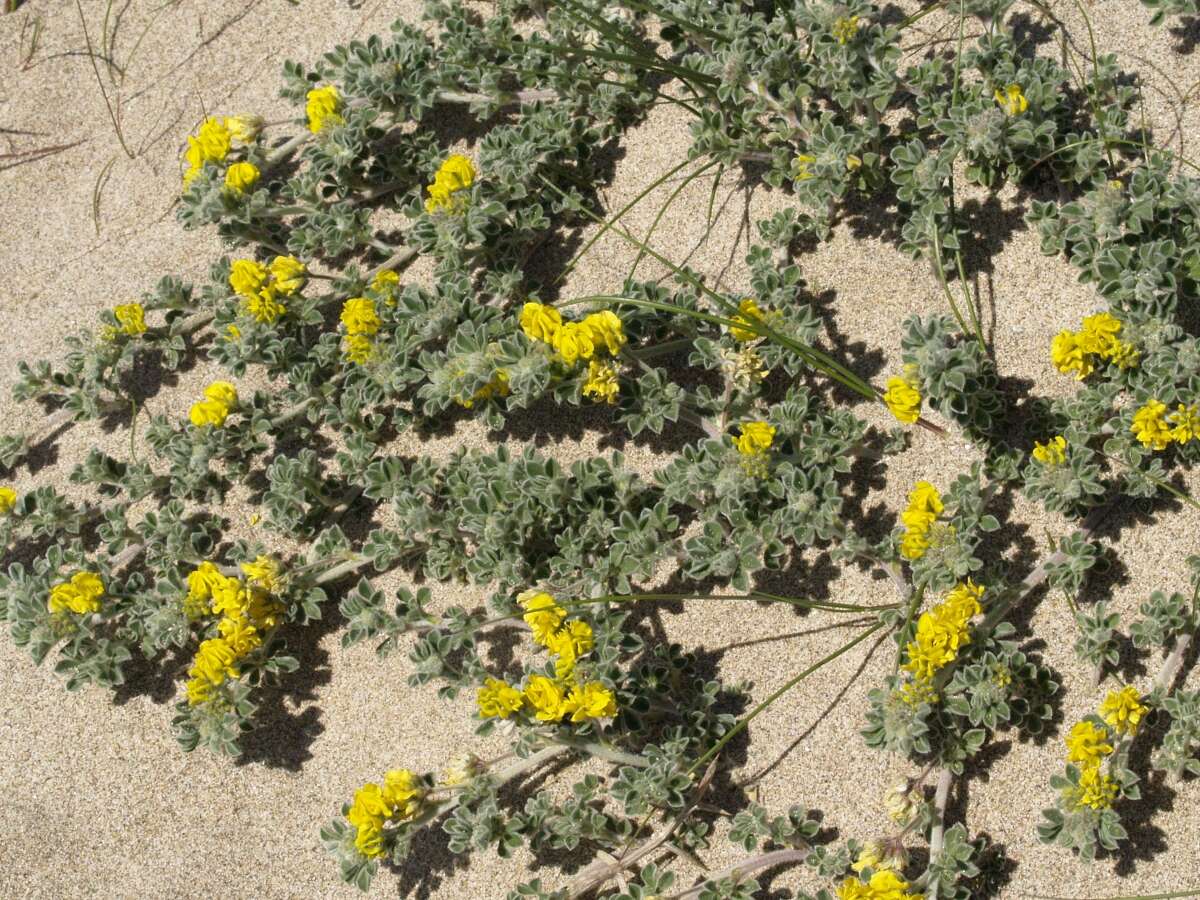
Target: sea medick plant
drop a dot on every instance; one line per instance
(315, 295)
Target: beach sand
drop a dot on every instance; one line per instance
(99, 800)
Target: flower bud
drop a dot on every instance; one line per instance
(461, 768)
(902, 804)
(244, 128)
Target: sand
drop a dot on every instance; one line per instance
(98, 798)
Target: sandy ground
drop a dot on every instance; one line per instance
(98, 798)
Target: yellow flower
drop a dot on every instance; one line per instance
(574, 342)
(79, 595)
(1051, 453)
(756, 438)
(884, 885)
(455, 174)
(546, 698)
(233, 333)
(1012, 100)
(1123, 710)
(1185, 422)
(241, 177)
(913, 544)
(359, 316)
(8, 499)
(498, 698)
(602, 384)
(199, 690)
(800, 166)
(210, 145)
(323, 106)
(924, 506)
(943, 630)
(540, 322)
(962, 603)
(265, 306)
(903, 399)
(1098, 334)
(605, 328)
(1068, 355)
(289, 274)
(262, 571)
(590, 701)
(208, 412)
(403, 792)
(222, 392)
(385, 282)
(1096, 790)
(215, 661)
(132, 318)
(247, 277)
(845, 28)
(748, 314)
(359, 348)
(1087, 743)
(241, 635)
(571, 641)
(203, 581)
(925, 496)
(542, 614)
(244, 128)
(1149, 426)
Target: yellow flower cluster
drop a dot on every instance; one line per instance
(845, 28)
(263, 286)
(602, 385)
(362, 323)
(576, 340)
(902, 396)
(943, 630)
(551, 699)
(8, 499)
(241, 177)
(132, 318)
(1011, 100)
(802, 166)
(323, 106)
(220, 399)
(398, 800)
(456, 174)
(387, 283)
(1051, 453)
(1154, 428)
(1078, 351)
(748, 315)
(924, 506)
(1089, 744)
(247, 613)
(79, 595)
(884, 885)
(210, 144)
(1123, 710)
(213, 140)
(754, 444)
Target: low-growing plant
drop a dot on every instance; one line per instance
(766, 414)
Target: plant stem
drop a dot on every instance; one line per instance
(739, 870)
(937, 834)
